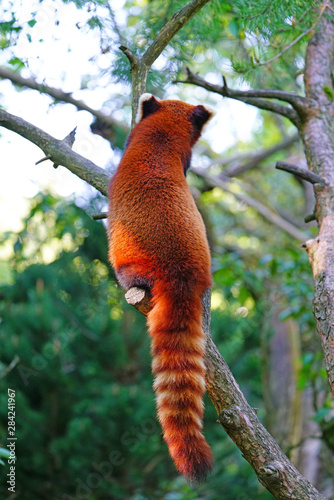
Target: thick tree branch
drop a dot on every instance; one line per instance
(62, 96)
(273, 468)
(59, 152)
(226, 184)
(255, 98)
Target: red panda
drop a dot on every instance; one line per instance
(157, 241)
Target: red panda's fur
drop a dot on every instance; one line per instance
(157, 241)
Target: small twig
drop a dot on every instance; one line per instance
(59, 151)
(300, 172)
(100, 215)
(310, 218)
(10, 367)
(132, 58)
(69, 140)
(140, 299)
(256, 15)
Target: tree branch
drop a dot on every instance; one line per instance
(10, 367)
(253, 159)
(254, 97)
(300, 172)
(61, 96)
(59, 152)
(178, 20)
(289, 97)
(273, 468)
(226, 184)
(133, 60)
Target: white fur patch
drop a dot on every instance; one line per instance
(212, 111)
(143, 98)
(171, 378)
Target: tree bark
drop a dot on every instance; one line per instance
(317, 133)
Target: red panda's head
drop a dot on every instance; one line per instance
(177, 112)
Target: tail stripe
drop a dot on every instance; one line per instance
(178, 346)
(170, 379)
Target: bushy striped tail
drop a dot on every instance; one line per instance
(178, 346)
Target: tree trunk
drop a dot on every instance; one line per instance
(316, 130)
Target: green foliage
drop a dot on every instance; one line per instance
(329, 92)
(245, 33)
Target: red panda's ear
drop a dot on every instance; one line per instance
(200, 116)
(147, 105)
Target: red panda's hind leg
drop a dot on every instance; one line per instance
(129, 276)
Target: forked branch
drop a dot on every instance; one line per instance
(140, 66)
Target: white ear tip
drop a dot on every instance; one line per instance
(145, 97)
(210, 109)
(142, 98)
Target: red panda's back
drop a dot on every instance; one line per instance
(151, 205)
